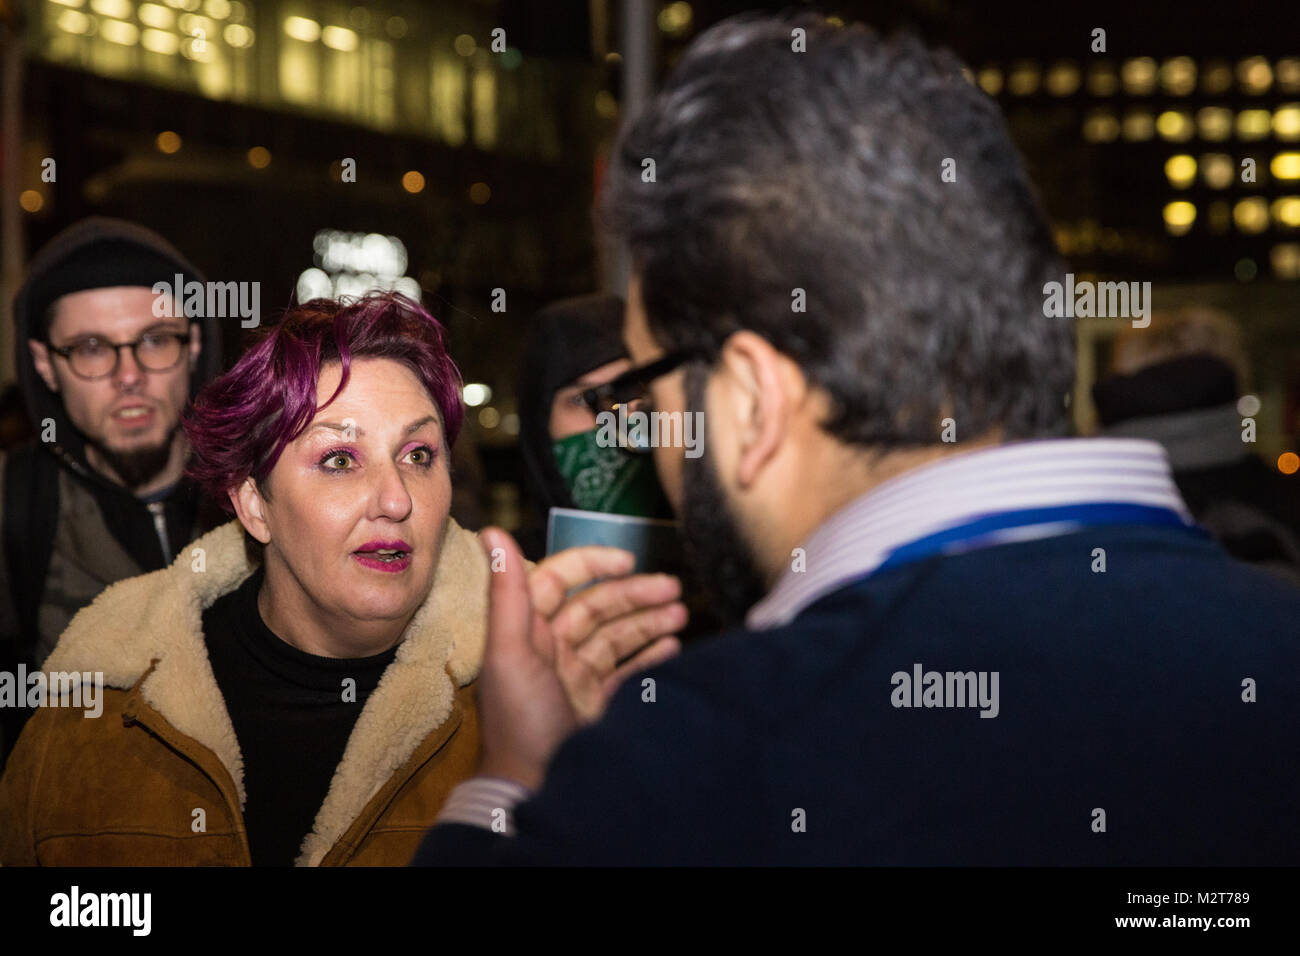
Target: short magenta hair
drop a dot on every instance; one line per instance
(241, 422)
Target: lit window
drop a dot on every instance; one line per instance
(1178, 75)
(1254, 74)
(1175, 126)
(1251, 215)
(990, 80)
(1139, 75)
(1023, 78)
(1100, 126)
(301, 28)
(1179, 217)
(1286, 121)
(1254, 124)
(1285, 166)
(1215, 123)
(1062, 79)
(1180, 171)
(1139, 126)
(1217, 170)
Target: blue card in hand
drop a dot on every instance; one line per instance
(654, 542)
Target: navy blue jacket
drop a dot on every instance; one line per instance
(1123, 735)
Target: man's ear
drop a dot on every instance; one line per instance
(250, 508)
(763, 393)
(44, 365)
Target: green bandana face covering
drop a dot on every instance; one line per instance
(610, 479)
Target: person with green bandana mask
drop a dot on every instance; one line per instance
(576, 344)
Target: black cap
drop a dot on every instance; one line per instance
(1182, 384)
(102, 264)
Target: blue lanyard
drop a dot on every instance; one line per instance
(1007, 526)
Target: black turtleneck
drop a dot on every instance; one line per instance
(293, 713)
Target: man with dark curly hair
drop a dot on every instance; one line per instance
(969, 640)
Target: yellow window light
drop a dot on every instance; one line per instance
(1062, 79)
(302, 28)
(74, 22)
(1254, 124)
(1285, 166)
(1101, 126)
(339, 38)
(1287, 75)
(154, 15)
(1180, 170)
(1102, 80)
(990, 80)
(1286, 211)
(160, 41)
(1255, 75)
(1023, 78)
(1215, 123)
(1179, 217)
(120, 32)
(1178, 75)
(121, 9)
(1217, 170)
(675, 18)
(1139, 126)
(1251, 215)
(238, 36)
(1285, 259)
(1176, 126)
(1286, 122)
(1139, 75)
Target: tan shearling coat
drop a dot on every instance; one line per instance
(124, 788)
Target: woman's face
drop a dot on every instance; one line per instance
(569, 413)
(358, 502)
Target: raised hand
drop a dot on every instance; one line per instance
(553, 661)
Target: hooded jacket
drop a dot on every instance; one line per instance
(125, 788)
(68, 531)
(569, 339)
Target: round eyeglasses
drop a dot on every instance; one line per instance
(93, 358)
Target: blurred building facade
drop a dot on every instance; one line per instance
(465, 140)
(259, 135)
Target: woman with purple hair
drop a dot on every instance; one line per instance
(299, 687)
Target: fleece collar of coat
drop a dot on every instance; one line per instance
(157, 617)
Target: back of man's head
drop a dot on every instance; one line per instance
(857, 202)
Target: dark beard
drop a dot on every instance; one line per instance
(138, 467)
(717, 558)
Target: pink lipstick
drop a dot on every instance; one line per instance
(390, 556)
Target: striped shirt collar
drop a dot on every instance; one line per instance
(859, 537)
